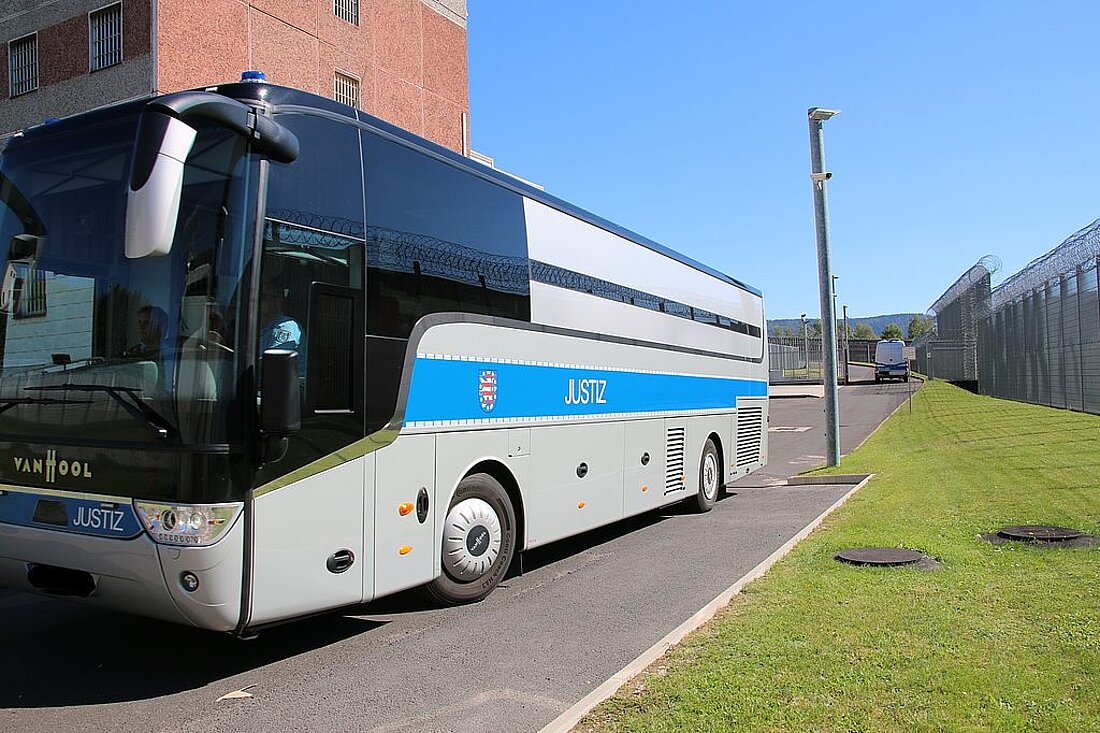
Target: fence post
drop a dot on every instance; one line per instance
(1080, 275)
(1047, 350)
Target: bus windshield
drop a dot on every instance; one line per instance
(104, 351)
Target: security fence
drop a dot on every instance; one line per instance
(1041, 343)
(1033, 338)
(950, 350)
(862, 351)
(794, 360)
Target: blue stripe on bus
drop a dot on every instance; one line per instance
(67, 514)
(444, 389)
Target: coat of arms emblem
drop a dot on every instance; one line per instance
(487, 389)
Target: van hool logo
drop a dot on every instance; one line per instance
(50, 468)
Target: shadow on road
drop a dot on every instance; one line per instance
(561, 549)
(58, 654)
(63, 654)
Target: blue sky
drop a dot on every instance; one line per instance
(968, 128)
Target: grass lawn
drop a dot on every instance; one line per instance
(999, 638)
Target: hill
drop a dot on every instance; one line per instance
(877, 323)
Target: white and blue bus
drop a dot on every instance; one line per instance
(263, 355)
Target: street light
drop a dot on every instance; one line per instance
(805, 347)
(818, 177)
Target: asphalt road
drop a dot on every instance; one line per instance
(582, 609)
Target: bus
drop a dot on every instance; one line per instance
(264, 355)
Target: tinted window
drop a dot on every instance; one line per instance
(311, 284)
(322, 188)
(96, 347)
(438, 239)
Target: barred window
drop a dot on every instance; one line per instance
(105, 37)
(23, 65)
(347, 10)
(28, 290)
(346, 89)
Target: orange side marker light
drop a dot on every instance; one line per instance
(405, 508)
(404, 549)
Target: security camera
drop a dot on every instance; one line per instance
(820, 177)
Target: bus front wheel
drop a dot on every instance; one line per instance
(710, 478)
(479, 539)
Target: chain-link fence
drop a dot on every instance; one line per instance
(794, 359)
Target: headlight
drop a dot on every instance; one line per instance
(193, 525)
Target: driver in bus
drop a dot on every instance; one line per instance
(151, 323)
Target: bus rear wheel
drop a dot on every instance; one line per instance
(479, 539)
(710, 478)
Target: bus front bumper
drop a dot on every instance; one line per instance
(134, 575)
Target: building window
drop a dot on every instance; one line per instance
(23, 65)
(346, 90)
(105, 37)
(27, 296)
(347, 10)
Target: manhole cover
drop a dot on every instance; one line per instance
(880, 556)
(1039, 533)
(1042, 535)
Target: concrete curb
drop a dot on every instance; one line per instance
(840, 478)
(567, 720)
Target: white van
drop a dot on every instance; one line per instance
(890, 360)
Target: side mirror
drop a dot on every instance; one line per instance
(24, 247)
(164, 140)
(281, 402)
(156, 184)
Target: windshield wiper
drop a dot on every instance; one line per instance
(134, 405)
(11, 402)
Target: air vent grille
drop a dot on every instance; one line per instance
(674, 460)
(750, 431)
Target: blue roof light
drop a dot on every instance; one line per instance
(253, 75)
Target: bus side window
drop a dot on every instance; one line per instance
(439, 239)
(313, 257)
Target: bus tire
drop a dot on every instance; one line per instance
(479, 540)
(710, 478)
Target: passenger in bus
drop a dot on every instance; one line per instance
(280, 331)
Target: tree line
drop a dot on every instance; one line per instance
(918, 326)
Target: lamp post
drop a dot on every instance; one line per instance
(805, 347)
(818, 177)
(847, 353)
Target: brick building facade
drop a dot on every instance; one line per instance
(401, 60)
